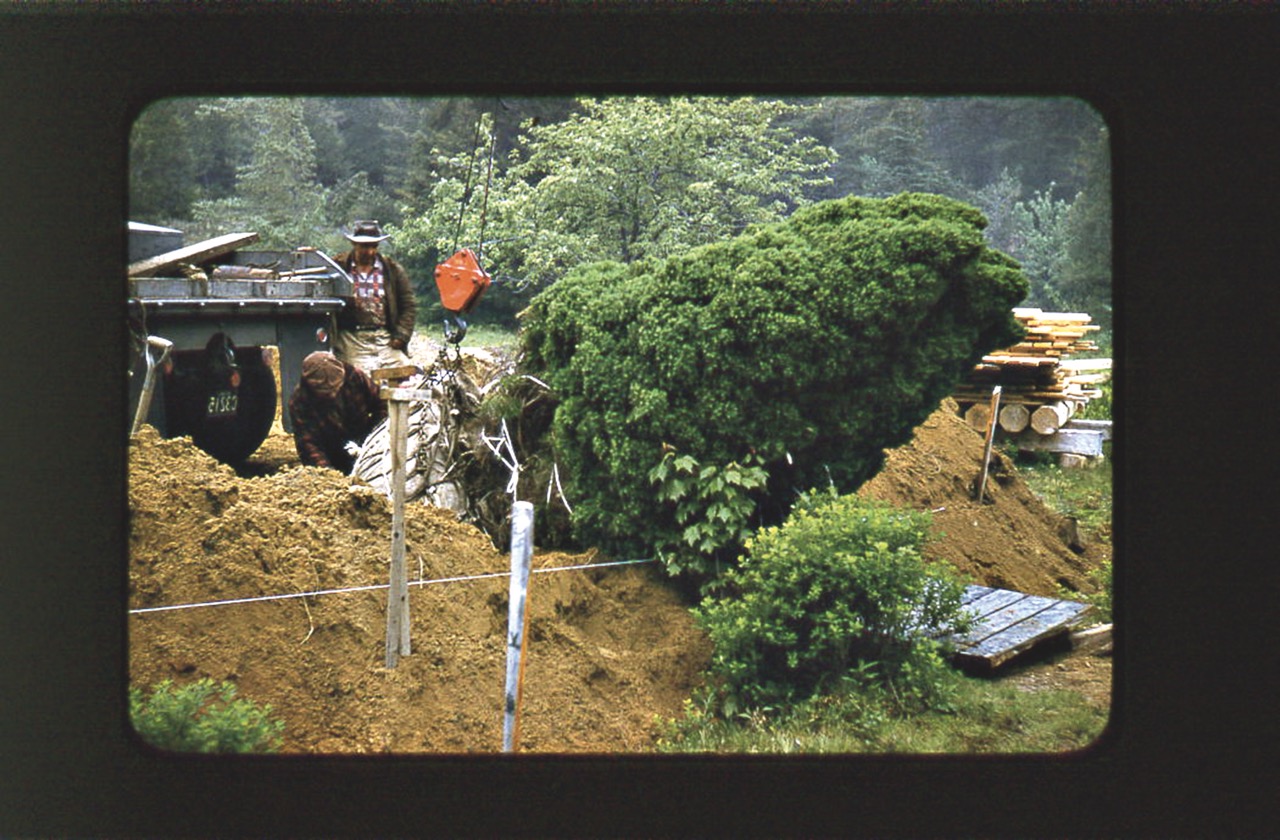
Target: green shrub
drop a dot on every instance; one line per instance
(839, 590)
(713, 506)
(815, 343)
(203, 717)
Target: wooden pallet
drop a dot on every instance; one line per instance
(1007, 623)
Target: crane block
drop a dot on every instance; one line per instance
(461, 281)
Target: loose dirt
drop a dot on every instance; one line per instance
(610, 650)
(1009, 540)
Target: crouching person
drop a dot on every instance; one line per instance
(333, 409)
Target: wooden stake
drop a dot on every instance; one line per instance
(991, 437)
(398, 594)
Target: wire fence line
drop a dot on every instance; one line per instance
(461, 579)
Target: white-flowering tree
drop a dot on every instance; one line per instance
(622, 179)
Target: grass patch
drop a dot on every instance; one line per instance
(1083, 492)
(981, 717)
(489, 336)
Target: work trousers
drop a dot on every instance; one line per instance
(368, 349)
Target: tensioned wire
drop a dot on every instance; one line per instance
(379, 586)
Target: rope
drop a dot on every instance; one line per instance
(258, 598)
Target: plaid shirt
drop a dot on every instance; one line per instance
(369, 296)
(321, 428)
(399, 304)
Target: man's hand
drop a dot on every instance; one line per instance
(397, 344)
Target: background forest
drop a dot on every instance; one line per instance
(539, 185)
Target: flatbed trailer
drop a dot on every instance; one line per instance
(227, 312)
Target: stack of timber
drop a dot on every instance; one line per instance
(1039, 387)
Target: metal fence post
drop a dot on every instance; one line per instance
(517, 613)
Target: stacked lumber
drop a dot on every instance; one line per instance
(1039, 386)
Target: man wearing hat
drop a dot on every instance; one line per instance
(376, 325)
(333, 408)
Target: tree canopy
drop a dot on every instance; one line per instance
(620, 178)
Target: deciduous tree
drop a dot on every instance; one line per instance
(625, 178)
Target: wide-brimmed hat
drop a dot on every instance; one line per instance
(366, 231)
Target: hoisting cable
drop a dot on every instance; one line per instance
(466, 189)
(484, 204)
(454, 332)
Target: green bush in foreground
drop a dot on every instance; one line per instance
(203, 717)
(838, 590)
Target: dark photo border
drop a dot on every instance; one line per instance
(1188, 92)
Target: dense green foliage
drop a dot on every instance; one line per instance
(621, 178)
(203, 717)
(814, 344)
(713, 504)
(840, 587)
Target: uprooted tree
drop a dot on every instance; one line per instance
(693, 397)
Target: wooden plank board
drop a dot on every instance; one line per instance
(196, 253)
(1086, 364)
(1027, 361)
(1002, 619)
(1074, 441)
(1009, 623)
(1101, 426)
(996, 599)
(1042, 317)
(1047, 624)
(973, 593)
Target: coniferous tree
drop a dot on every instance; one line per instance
(1086, 279)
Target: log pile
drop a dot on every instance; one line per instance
(1040, 387)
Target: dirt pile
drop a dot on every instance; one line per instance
(1010, 540)
(609, 648)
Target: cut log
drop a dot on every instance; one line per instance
(978, 416)
(1047, 419)
(1014, 417)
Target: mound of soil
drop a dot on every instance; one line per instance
(610, 649)
(1010, 540)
